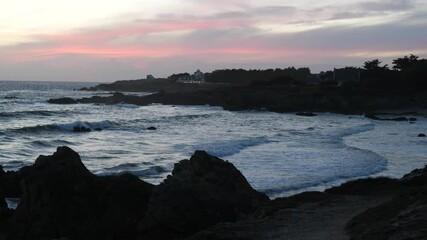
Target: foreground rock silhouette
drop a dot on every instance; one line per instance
(201, 192)
(204, 198)
(61, 198)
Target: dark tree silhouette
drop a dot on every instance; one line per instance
(405, 63)
(374, 65)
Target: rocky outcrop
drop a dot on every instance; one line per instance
(276, 98)
(61, 198)
(201, 192)
(417, 177)
(373, 208)
(403, 217)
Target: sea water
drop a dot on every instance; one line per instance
(280, 154)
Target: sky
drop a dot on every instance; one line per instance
(104, 41)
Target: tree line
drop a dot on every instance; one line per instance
(406, 72)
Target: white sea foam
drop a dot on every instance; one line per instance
(223, 148)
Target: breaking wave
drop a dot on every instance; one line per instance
(67, 127)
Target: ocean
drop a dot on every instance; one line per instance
(280, 154)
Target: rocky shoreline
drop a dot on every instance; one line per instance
(204, 198)
(271, 98)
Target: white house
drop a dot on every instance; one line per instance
(198, 77)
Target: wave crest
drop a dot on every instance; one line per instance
(68, 127)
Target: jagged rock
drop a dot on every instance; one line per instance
(201, 192)
(64, 100)
(61, 198)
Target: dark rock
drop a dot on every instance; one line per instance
(403, 217)
(10, 97)
(10, 183)
(401, 119)
(61, 198)
(306, 114)
(421, 135)
(62, 101)
(417, 177)
(201, 192)
(372, 116)
(3, 203)
(81, 129)
(368, 186)
(375, 117)
(118, 95)
(151, 128)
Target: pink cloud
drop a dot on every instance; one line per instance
(106, 42)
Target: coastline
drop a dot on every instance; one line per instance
(281, 99)
(337, 213)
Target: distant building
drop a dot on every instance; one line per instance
(150, 77)
(313, 79)
(343, 75)
(197, 77)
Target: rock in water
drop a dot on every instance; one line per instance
(64, 100)
(81, 129)
(201, 192)
(151, 128)
(421, 135)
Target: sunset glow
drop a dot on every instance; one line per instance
(188, 35)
